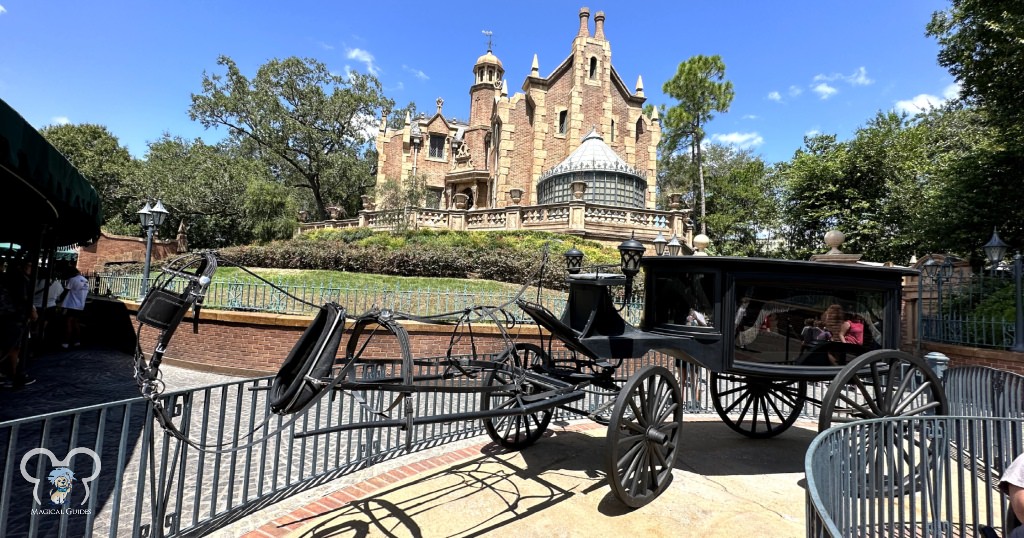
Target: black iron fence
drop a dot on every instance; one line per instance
(961, 307)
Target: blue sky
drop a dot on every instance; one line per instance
(798, 67)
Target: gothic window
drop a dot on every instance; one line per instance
(639, 128)
(593, 68)
(611, 136)
(563, 122)
(437, 146)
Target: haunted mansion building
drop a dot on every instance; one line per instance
(573, 152)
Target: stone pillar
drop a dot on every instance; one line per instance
(457, 220)
(513, 218)
(362, 217)
(577, 212)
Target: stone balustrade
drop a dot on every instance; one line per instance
(592, 221)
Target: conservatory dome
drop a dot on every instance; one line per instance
(609, 179)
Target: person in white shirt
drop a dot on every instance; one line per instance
(74, 304)
(49, 313)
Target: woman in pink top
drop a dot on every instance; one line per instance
(852, 330)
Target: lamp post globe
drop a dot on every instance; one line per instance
(995, 249)
(631, 251)
(573, 260)
(659, 244)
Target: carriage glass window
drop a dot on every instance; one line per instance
(806, 325)
(684, 299)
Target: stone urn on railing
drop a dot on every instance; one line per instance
(303, 216)
(675, 200)
(578, 189)
(461, 200)
(368, 204)
(516, 195)
(333, 212)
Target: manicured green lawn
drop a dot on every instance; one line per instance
(340, 279)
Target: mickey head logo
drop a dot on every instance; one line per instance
(66, 462)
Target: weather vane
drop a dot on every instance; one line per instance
(488, 33)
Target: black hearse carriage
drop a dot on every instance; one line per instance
(741, 318)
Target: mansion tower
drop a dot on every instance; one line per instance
(579, 123)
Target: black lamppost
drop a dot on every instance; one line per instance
(151, 219)
(995, 249)
(631, 252)
(674, 246)
(939, 272)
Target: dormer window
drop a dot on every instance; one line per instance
(437, 146)
(593, 68)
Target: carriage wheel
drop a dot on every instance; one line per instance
(878, 384)
(514, 432)
(643, 436)
(882, 383)
(766, 407)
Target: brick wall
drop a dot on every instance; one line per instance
(245, 343)
(119, 248)
(969, 356)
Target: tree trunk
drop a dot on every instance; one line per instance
(321, 209)
(700, 180)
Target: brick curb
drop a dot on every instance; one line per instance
(300, 517)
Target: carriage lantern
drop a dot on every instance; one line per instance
(659, 244)
(631, 252)
(674, 246)
(573, 260)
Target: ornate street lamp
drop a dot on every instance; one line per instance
(938, 272)
(573, 260)
(659, 244)
(631, 252)
(995, 249)
(674, 246)
(151, 219)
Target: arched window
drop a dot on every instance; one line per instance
(639, 128)
(593, 67)
(611, 136)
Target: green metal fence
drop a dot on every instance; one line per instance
(281, 297)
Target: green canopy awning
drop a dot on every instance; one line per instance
(41, 189)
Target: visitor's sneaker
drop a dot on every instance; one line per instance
(26, 380)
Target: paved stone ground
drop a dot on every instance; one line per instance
(80, 377)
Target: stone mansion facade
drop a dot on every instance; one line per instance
(573, 152)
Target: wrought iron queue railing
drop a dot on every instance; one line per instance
(205, 491)
(920, 476)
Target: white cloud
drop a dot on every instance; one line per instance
(774, 96)
(416, 73)
(795, 91)
(2, 9)
(858, 78)
(368, 125)
(750, 116)
(920, 103)
(740, 140)
(824, 90)
(59, 120)
(365, 57)
(325, 46)
(952, 91)
(812, 132)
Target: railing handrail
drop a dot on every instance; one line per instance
(819, 517)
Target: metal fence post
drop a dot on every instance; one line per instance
(1018, 333)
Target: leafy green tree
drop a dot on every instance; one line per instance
(313, 127)
(816, 200)
(701, 90)
(982, 45)
(224, 197)
(98, 155)
(743, 201)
